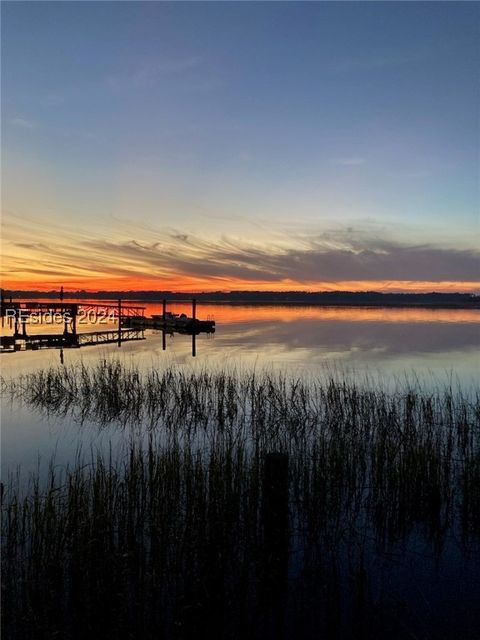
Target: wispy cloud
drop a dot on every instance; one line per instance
(326, 258)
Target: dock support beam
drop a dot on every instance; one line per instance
(65, 323)
(74, 320)
(164, 317)
(119, 311)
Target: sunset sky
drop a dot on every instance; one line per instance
(237, 145)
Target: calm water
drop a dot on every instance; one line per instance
(437, 346)
(390, 341)
(428, 587)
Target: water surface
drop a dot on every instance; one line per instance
(435, 346)
(424, 581)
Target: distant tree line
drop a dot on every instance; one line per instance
(327, 298)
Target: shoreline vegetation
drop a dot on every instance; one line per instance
(326, 298)
(242, 505)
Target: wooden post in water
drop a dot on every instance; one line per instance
(194, 344)
(164, 319)
(74, 319)
(119, 312)
(17, 313)
(194, 337)
(10, 321)
(65, 323)
(273, 586)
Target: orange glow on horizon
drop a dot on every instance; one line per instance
(244, 313)
(192, 284)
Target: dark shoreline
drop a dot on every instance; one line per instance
(274, 298)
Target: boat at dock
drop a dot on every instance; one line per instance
(171, 322)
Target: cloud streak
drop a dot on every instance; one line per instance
(333, 257)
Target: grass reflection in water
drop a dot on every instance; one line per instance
(185, 534)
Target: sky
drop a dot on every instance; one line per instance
(238, 145)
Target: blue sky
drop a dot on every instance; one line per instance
(272, 125)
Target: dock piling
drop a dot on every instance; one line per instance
(194, 345)
(119, 311)
(74, 320)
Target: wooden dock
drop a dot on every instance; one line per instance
(129, 322)
(10, 344)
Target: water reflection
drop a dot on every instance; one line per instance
(431, 341)
(379, 537)
(300, 510)
(340, 335)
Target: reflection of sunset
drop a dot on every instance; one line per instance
(240, 313)
(273, 313)
(230, 314)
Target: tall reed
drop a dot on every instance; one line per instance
(167, 539)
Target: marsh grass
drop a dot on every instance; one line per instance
(167, 539)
